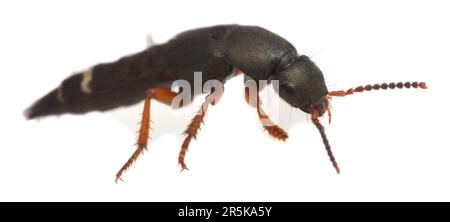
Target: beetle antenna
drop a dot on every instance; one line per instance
(391, 85)
(321, 129)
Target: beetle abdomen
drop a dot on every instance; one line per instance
(103, 87)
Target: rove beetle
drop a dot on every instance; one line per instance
(219, 52)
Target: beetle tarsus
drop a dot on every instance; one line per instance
(273, 130)
(183, 166)
(118, 178)
(277, 132)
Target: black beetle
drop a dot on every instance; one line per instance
(219, 52)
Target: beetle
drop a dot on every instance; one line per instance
(219, 52)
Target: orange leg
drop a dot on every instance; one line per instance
(162, 95)
(268, 125)
(194, 126)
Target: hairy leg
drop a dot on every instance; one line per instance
(253, 99)
(162, 95)
(194, 126)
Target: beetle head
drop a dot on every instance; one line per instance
(302, 85)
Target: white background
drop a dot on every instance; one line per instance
(391, 145)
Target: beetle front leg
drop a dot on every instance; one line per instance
(253, 99)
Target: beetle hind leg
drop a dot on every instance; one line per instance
(143, 136)
(162, 95)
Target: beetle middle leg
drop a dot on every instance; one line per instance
(163, 95)
(253, 99)
(194, 126)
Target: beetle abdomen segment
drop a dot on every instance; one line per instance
(102, 87)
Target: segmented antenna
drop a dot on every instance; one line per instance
(321, 129)
(391, 85)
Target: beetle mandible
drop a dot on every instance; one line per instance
(219, 52)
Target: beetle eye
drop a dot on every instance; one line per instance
(289, 87)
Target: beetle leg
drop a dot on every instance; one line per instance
(194, 126)
(162, 95)
(272, 129)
